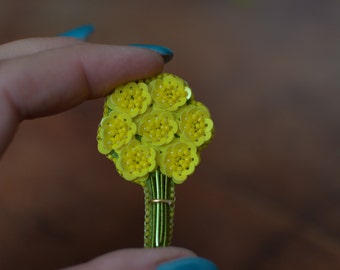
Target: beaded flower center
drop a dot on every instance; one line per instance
(131, 98)
(180, 160)
(169, 93)
(136, 160)
(196, 124)
(158, 128)
(117, 130)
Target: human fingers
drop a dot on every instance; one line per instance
(33, 45)
(28, 46)
(51, 81)
(133, 259)
(55, 80)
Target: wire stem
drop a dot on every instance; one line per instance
(159, 192)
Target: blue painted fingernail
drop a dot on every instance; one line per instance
(82, 32)
(188, 264)
(165, 52)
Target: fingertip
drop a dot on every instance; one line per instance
(165, 52)
(136, 259)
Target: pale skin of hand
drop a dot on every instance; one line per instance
(44, 76)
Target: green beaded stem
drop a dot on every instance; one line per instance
(159, 192)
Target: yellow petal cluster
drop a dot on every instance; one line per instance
(117, 129)
(195, 124)
(178, 160)
(136, 160)
(169, 92)
(157, 128)
(154, 124)
(132, 98)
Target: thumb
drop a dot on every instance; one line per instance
(133, 259)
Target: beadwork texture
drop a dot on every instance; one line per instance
(155, 123)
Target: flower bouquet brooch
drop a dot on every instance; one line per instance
(153, 130)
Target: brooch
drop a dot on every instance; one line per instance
(153, 130)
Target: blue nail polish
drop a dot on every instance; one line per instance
(188, 264)
(82, 32)
(165, 52)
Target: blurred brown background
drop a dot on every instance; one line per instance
(267, 193)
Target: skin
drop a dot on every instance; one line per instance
(44, 76)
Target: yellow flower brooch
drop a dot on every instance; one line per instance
(153, 130)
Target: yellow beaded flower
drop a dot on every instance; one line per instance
(157, 128)
(135, 161)
(195, 123)
(132, 98)
(169, 92)
(154, 124)
(154, 131)
(178, 160)
(117, 129)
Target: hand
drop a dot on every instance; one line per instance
(44, 76)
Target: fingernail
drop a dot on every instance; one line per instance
(165, 52)
(188, 264)
(82, 32)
